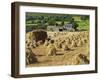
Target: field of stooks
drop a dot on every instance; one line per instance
(47, 48)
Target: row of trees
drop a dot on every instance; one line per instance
(46, 18)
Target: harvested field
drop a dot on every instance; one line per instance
(60, 48)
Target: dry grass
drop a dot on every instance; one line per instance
(62, 57)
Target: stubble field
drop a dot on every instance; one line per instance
(62, 48)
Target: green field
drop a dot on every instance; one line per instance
(42, 20)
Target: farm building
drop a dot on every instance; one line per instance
(67, 27)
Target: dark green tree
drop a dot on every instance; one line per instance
(74, 23)
(51, 22)
(62, 23)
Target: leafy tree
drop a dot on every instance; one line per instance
(62, 23)
(51, 22)
(72, 20)
(74, 23)
(57, 24)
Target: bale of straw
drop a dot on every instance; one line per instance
(73, 44)
(30, 56)
(51, 48)
(65, 47)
